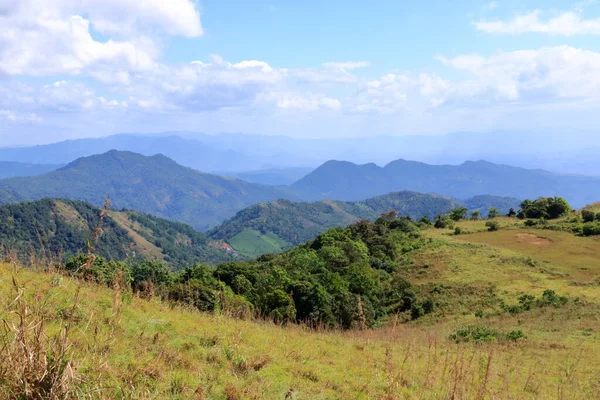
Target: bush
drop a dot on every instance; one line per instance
(492, 226)
(457, 230)
(588, 216)
(515, 336)
(477, 334)
(590, 229)
(535, 222)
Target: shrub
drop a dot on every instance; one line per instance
(588, 216)
(477, 334)
(492, 226)
(515, 336)
(457, 230)
(590, 229)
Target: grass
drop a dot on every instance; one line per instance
(107, 343)
(252, 243)
(121, 346)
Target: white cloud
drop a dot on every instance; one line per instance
(534, 76)
(54, 37)
(304, 102)
(568, 23)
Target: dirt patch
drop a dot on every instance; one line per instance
(532, 239)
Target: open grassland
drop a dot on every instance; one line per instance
(121, 346)
(252, 243)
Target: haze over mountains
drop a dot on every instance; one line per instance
(231, 152)
(10, 169)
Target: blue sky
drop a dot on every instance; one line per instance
(71, 68)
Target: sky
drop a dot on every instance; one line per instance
(315, 68)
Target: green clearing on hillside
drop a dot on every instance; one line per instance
(251, 243)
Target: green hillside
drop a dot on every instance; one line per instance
(279, 225)
(419, 314)
(155, 185)
(59, 229)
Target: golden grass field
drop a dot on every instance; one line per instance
(120, 346)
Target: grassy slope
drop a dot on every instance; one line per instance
(146, 349)
(252, 243)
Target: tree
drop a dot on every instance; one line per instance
(458, 213)
(475, 215)
(493, 213)
(544, 207)
(512, 213)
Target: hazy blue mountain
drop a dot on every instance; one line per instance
(155, 185)
(189, 152)
(9, 169)
(61, 228)
(341, 180)
(279, 225)
(575, 153)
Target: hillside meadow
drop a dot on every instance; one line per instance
(481, 342)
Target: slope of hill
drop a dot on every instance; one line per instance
(505, 314)
(279, 225)
(61, 228)
(155, 185)
(342, 180)
(12, 169)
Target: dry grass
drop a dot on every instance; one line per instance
(113, 345)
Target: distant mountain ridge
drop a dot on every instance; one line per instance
(342, 180)
(156, 185)
(62, 227)
(279, 225)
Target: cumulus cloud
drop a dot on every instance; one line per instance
(547, 74)
(568, 23)
(53, 37)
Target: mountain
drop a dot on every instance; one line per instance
(342, 180)
(279, 225)
(156, 185)
(9, 169)
(242, 152)
(61, 228)
(189, 152)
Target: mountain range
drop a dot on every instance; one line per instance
(342, 180)
(61, 228)
(159, 186)
(575, 153)
(155, 185)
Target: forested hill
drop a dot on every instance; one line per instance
(155, 185)
(278, 225)
(340, 180)
(61, 228)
